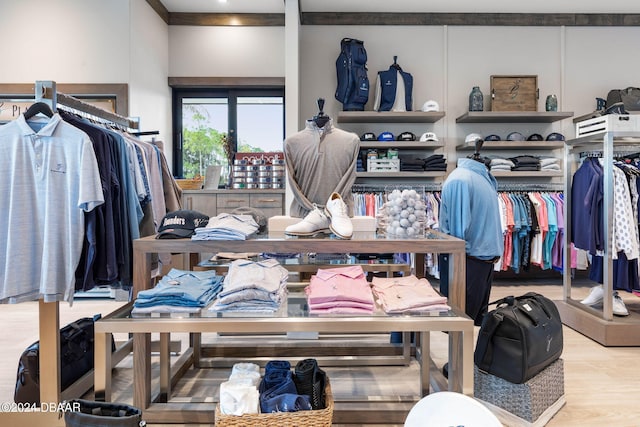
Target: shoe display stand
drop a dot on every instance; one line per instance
(598, 324)
(158, 406)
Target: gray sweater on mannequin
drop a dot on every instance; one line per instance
(320, 161)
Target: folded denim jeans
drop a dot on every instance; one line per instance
(310, 380)
(273, 379)
(282, 365)
(283, 397)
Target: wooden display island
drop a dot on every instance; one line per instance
(292, 318)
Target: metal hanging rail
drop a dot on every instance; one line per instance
(46, 92)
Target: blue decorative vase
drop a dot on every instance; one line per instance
(476, 100)
(551, 103)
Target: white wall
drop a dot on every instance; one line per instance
(226, 51)
(575, 63)
(150, 94)
(68, 41)
(91, 41)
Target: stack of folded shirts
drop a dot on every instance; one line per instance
(525, 163)
(501, 164)
(179, 292)
(252, 286)
(435, 162)
(239, 395)
(549, 164)
(410, 163)
(340, 290)
(407, 294)
(227, 226)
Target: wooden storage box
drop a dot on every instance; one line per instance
(514, 93)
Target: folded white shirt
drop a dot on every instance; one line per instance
(239, 397)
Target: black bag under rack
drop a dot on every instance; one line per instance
(76, 359)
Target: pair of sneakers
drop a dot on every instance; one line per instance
(334, 217)
(596, 296)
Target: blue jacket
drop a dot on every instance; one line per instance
(389, 83)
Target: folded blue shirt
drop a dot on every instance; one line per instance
(182, 288)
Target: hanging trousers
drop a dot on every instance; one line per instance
(479, 276)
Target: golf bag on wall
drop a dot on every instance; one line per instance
(351, 68)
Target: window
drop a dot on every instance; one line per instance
(211, 125)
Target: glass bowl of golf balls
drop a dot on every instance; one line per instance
(404, 213)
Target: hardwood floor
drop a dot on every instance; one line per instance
(602, 384)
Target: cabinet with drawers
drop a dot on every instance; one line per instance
(214, 202)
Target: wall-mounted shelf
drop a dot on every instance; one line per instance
(527, 174)
(513, 117)
(514, 145)
(389, 117)
(402, 144)
(426, 174)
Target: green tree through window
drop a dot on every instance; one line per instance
(202, 145)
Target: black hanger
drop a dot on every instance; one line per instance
(38, 108)
(321, 118)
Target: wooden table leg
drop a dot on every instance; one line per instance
(142, 369)
(102, 367)
(165, 367)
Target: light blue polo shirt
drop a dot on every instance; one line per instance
(469, 209)
(48, 178)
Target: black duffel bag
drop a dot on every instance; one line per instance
(519, 338)
(76, 359)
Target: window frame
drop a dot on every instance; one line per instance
(231, 94)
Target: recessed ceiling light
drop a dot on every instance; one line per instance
(222, 1)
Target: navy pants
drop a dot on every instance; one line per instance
(479, 277)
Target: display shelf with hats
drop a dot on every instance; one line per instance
(539, 160)
(398, 153)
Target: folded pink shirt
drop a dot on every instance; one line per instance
(340, 285)
(406, 294)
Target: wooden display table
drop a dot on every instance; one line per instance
(292, 318)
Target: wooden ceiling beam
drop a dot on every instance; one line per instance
(228, 19)
(489, 19)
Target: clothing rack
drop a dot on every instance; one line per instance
(530, 187)
(46, 92)
(373, 188)
(49, 312)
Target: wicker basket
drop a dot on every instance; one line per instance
(313, 418)
(190, 184)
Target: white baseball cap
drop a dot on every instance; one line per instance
(428, 136)
(473, 137)
(430, 105)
